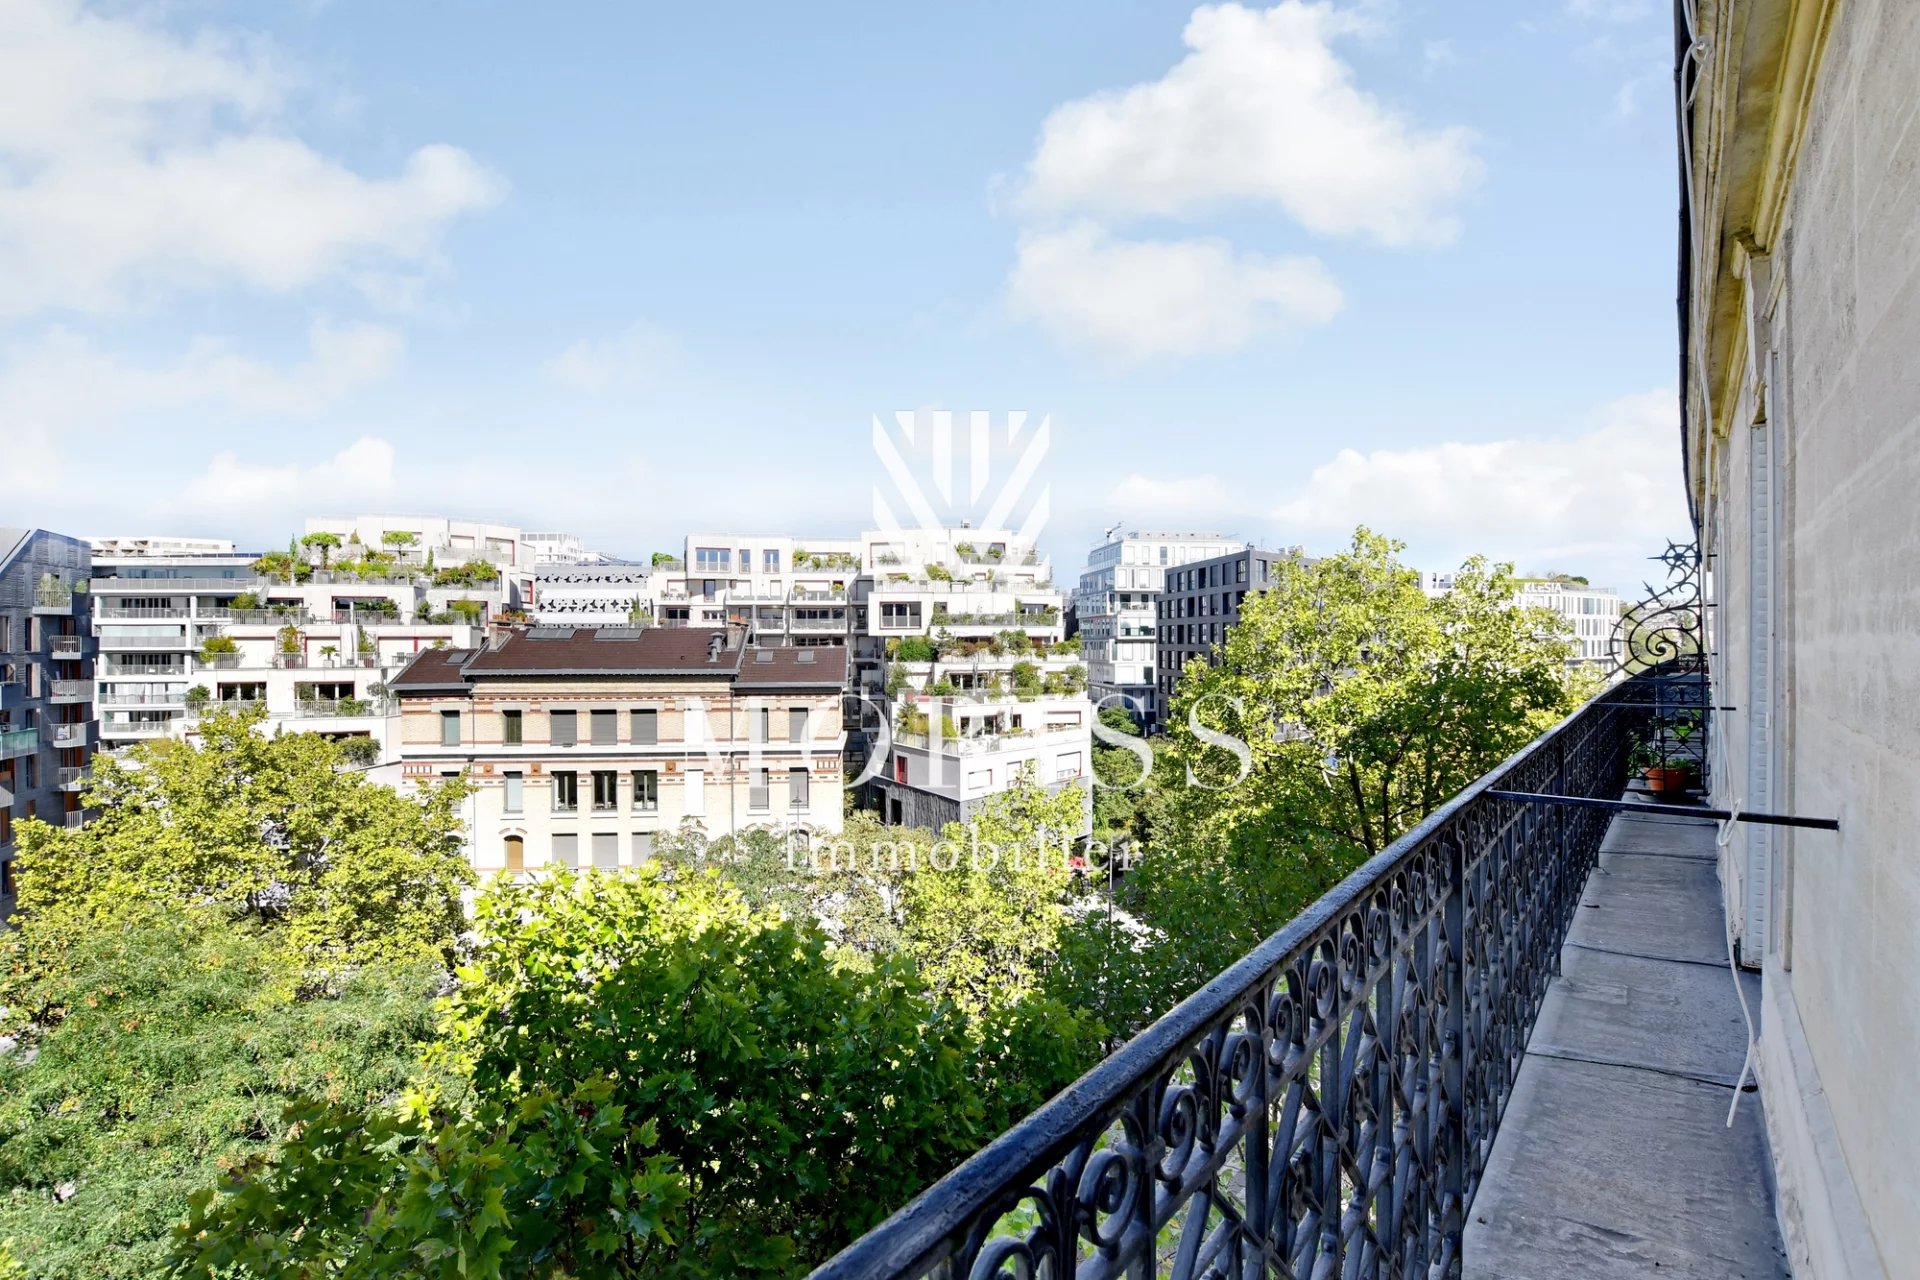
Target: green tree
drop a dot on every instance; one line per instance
(323, 543)
(983, 913)
(267, 828)
(787, 1102)
(1351, 705)
(157, 1048)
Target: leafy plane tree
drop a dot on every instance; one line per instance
(268, 828)
(649, 1078)
(1344, 706)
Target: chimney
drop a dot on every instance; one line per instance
(715, 643)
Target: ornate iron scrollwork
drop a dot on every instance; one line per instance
(1325, 1107)
(1664, 640)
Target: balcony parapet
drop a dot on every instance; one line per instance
(1384, 1024)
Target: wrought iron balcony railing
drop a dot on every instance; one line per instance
(1326, 1106)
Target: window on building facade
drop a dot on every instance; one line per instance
(646, 790)
(516, 853)
(799, 729)
(711, 560)
(760, 724)
(759, 791)
(900, 769)
(564, 728)
(646, 727)
(695, 792)
(799, 788)
(606, 790)
(605, 726)
(566, 849)
(642, 846)
(449, 728)
(1067, 765)
(606, 849)
(512, 730)
(515, 793)
(566, 792)
(770, 560)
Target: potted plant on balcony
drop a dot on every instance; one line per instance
(197, 699)
(214, 648)
(1665, 782)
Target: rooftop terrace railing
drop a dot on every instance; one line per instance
(1326, 1106)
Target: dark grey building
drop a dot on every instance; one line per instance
(47, 734)
(1200, 602)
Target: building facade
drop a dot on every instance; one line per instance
(47, 736)
(1117, 610)
(180, 635)
(585, 745)
(1199, 604)
(1801, 312)
(1592, 613)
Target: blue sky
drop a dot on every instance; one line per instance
(639, 269)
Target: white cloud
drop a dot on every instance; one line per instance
(1262, 110)
(1602, 498)
(134, 161)
(360, 473)
(635, 355)
(1201, 499)
(66, 385)
(1137, 299)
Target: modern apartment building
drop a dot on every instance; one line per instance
(585, 744)
(181, 634)
(1117, 609)
(1200, 603)
(781, 590)
(949, 753)
(47, 736)
(416, 541)
(1592, 612)
(592, 594)
(563, 548)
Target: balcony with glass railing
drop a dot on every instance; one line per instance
(1506, 1046)
(15, 743)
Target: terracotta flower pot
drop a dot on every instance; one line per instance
(1667, 783)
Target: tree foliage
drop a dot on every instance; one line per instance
(156, 1050)
(1344, 706)
(269, 829)
(654, 1079)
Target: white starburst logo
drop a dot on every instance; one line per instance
(1009, 454)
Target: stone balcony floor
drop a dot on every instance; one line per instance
(1614, 1158)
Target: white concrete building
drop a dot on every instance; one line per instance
(419, 541)
(585, 745)
(950, 753)
(1592, 612)
(179, 634)
(563, 548)
(782, 590)
(160, 545)
(1117, 607)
